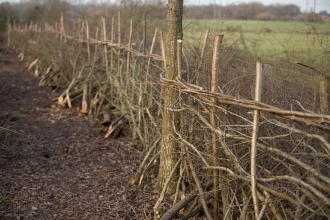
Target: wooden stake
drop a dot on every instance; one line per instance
(324, 96)
(81, 34)
(128, 53)
(217, 43)
(144, 33)
(151, 51)
(112, 40)
(179, 57)
(105, 46)
(324, 99)
(119, 38)
(119, 33)
(88, 40)
(148, 69)
(84, 105)
(79, 30)
(200, 62)
(254, 150)
(62, 28)
(162, 46)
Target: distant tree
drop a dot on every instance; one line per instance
(240, 13)
(324, 12)
(32, 11)
(291, 10)
(7, 13)
(52, 10)
(265, 16)
(3, 20)
(251, 11)
(194, 11)
(310, 17)
(248, 11)
(3, 15)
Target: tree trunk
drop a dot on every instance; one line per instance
(169, 148)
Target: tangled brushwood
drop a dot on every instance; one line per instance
(270, 157)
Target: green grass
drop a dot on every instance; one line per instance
(257, 26)
(270, 40)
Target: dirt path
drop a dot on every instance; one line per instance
(54, 165)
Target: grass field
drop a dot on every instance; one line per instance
(269, 40)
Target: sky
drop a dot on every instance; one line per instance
(321, 5)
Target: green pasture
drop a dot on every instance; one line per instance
(269, 40)
(257, 26)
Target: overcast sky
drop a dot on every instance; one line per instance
(320, 4)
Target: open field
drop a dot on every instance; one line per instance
(270, 40)
(257, 26)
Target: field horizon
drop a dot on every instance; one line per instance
(269, 40)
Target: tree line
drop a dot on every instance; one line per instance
(49, 11)
(250, 11)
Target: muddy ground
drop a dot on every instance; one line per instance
(54, 164)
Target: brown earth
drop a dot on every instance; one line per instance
(54, 164)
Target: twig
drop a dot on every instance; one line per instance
(262, 211)
(199, 188)
(196, 210)
(183, 203)
(162, 194)
(143, 163)
(309, 67)
(299, 209)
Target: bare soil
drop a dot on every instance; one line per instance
(54, 164)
